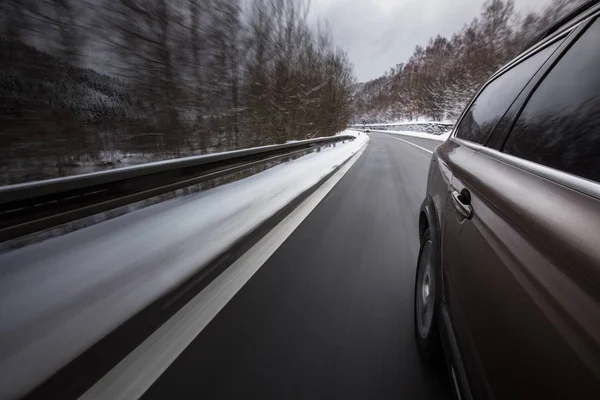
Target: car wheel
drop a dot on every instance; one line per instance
(425, 302)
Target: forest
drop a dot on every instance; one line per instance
(89, 84)
(439, 79)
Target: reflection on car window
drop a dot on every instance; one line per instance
(497, 97)
(560, 126)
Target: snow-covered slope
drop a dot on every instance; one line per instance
(68, 292)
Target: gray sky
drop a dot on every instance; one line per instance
(378, 34)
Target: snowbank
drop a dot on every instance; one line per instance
(60, 296)
(427, 127)
(441, 138)
(423, 122)
(352, 132)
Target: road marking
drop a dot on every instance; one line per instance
(416, 145)
(134, 375)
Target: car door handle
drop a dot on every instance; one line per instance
(462, 203)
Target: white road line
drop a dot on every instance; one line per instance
(416, 145)
(144, 365)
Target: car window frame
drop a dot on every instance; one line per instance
(557, 56)
(574, 182)
(497, 138)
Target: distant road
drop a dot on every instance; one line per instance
(329, 315)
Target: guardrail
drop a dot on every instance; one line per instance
(434, 128)
(37, 206)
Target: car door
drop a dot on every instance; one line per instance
(521, 231)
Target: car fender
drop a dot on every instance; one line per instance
(428, 218)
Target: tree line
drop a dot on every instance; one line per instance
(439, 79)
(91, 78)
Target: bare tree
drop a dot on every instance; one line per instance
(180, 76)
(441, 77)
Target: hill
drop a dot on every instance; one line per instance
(440, 78)
(30, 79)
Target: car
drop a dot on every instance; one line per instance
(507, 283)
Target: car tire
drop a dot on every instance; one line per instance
(426, 303)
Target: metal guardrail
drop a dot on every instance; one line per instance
(400, 125)
(434, 128)
(36, 206)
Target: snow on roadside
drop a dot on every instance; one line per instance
(423, 122)
(60, 296)
(352, 132)
(442, 138)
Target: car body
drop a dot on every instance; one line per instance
(507, 283)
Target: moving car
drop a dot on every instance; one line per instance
(508, 274)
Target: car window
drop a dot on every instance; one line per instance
(560, 125)
(493, 102)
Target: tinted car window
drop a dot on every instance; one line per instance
(560, 125)
(497, 97)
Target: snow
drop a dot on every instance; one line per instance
(421, 127)
(441, 138)
(351, 132)
(60, 296)
(446, 122)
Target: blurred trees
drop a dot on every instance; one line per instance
(440, 78)
(166, 77)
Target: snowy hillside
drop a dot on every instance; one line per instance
(440, 78)
(30, 79)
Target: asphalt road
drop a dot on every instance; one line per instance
(329, 315)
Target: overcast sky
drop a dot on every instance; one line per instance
(378, 34)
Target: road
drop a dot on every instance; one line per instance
(329, 315)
